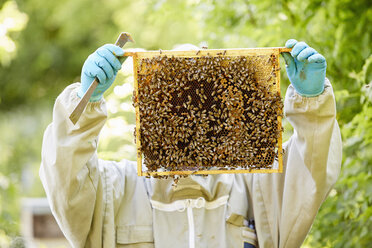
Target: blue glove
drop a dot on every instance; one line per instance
(104, 65)
(306, 68)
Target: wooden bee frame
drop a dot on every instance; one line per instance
(149, 60)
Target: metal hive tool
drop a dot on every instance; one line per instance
(208, 111)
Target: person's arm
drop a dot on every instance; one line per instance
(69, 169)
(286, 204)
(84, 192)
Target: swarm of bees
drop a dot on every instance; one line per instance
(208, 112)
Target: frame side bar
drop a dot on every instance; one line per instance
(280, 139)
(138, 138)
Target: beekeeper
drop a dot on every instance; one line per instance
(100, 203)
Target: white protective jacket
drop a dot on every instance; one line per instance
(101, 203)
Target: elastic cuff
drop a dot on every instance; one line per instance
(310, 95)
(95, 98)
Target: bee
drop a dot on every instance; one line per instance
(238, 94)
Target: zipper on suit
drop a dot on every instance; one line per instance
(188, 205)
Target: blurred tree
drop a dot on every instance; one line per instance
(52, 47)
(349, 207)
(11, 21)
(59, 36)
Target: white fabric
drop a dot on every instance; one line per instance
(189, 204)
(190, 217)
(249, 234)
(101, 203)
(181, 205)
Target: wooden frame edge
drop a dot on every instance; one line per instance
(207, 172)
(138, 140)
(205, 52)
(198, 53)
(280, 138)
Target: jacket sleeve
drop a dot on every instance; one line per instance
(84, 192)
(286, 204)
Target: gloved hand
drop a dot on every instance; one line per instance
(104, 65)
(306, 68)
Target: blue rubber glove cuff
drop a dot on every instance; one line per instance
(104, 65)
(306, 68)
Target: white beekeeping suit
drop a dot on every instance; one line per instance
(101, 203)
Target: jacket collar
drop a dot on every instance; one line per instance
(209, 187)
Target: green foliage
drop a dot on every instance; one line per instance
(20, 139)
(4, 239)
(51, 40)
(60, 35)
(349, 207)
(11, 21)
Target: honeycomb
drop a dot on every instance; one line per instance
(208, 112)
